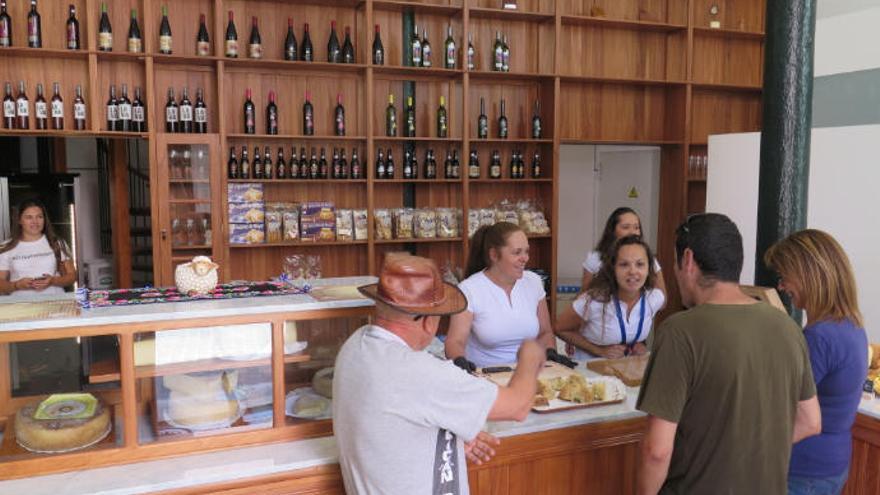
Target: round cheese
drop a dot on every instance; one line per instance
(193, 411)
(60, 435)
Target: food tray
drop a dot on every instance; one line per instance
(615, 393)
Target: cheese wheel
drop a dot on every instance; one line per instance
(60, 435)
(322, 382)
(203, 383)
(197, 410)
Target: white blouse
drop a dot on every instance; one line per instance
(601, 326)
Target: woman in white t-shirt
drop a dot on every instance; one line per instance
(34, 261)
(506, 303)
(622, 222)
(614, 316)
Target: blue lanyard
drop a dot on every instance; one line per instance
(623, 325)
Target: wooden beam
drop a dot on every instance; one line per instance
(119, 217)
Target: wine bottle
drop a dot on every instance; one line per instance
(41, 110)
(407, 164)
(536, 165)
(35, 29)
(471, 53)
(57, 108)
(447, 166)
(203, 41)
(105, 32)
(498, 53)
(124, 106)
(335, 172)
(356, 171)
(232, 165)
(303, 163)
(340, 116)
(255, 45)
(495, 166)
(280, 166)
(323, 170)
(244, 167)
(347, 48)
(409, 114)
(73, 42)
(430, 165)
(415, 165)
(201, 113)
(231, 43)
(272, 115)
(391, 118)
(505, 55)
(449, 49)
(314, 171)
(290, 42)
(308, 116)
(293, 164)
(426, 49)
(482, 121)
(380, 165)
(502, 123)
(415, 47)
(474, 165)
(135, 41)
(536, 122)
(378, 49)
(512, 166)
(389, 165)
(333, 50)
(79, 110)
(343, 165)
(308, 53)
(165, 33)
(8, 108)
(112, 110)
(442, 120)
(138, 112)
(456, 165)
(186, 112)
(172, 114)
(5, 26)
(268, 168)
(250, 113)
(257, 166)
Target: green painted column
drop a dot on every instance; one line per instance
(786, 125)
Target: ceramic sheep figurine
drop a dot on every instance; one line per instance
(199, 276)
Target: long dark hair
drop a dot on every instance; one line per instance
(485, 239)
(604, 285)
(608, 237)
(57, 244)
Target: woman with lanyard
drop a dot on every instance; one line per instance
(614, 316)
(506, 303)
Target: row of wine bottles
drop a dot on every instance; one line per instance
(34, 26)
(409, 118)
(17, 111)
(303, 167)
(308, 111)
(186, 117)
(124, 114)
(452, 166)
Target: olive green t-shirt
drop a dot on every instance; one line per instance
(731, 377)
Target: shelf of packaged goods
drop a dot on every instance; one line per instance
(291, 137)
(511, 140)
(190, 247)
(296, 65)
(744, 88)
(634, 81)
(189, 181)
(20, 51)
(510, 76)
(729, 33)
(300, 181)
(189, 201)
(638, 142)
(581, 20)
(508, 180)
(382, 71)
(417, 240)
(70, 133)
(119, 56)
(510, 15)
(298, 244)
(422, 139)
(416, 181)
(417, 7)
(206, 61)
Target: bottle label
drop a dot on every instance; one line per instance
(79, 111)
(231, 48)
(470, 58)
(186, 113)
(201, 115)
(137, 114)
(165, 43)
(112, 113)
(72, 41)
(57, 109)
(135, 45)
(203, 48)
(125, 111)
(417, 55)
(21, 108)
(41, 110)
(105, 41)
(499, 59)
(426, 56)
(4, 34)
(450, 57)
(256, 50)
(249, 120)
(9, 109)
(309, 124)
(171, 114)
(33, 33)
(340, 125)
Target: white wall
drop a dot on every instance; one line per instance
(82, 158)
(847, 42)
(576, 203)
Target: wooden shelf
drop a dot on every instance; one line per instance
(729, 33)
(619, 80)
(189, 247)
(417, 240)
(120, 56)
(191, 60)
(417, 7)
(416, 181)
(399, 71)
(511, 140)
(189, 181)
(297, 244)
(422, 139)
(108, 371)
(507, 180)
(580, 20)
(644, 142)
(510, 76)
(190, 201)
(21, 51)
(509, 15)
(276, 137)
(748, 88)
(297, 65)
(71, 133)
(300, 181)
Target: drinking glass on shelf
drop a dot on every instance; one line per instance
(178, 233)
(192, 232)
(186, 164)
(174, 163)
(206, 230)
(200, 168)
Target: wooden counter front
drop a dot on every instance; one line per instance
(864, 472)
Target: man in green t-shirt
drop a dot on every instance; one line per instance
(729, 387)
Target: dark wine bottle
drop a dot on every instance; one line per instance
(290, 52)
(536, 122)
(505, 55)
(427, 53)
(135, 40)
(244, 166)
(280, 166)
(303, 163)
(449, 49)
(447, 166)
(201, 113)
(389, 165)
(314, 171)
(333, 50)
(442, 119)
(512, 167)
(391, 118)
(231, 43)
(471, 53)
(495, 166)
(378, 49)
(272, 115)
(113, 111)
(203, 41)
(232, 165)
(347, 48)
(502, 123)
(57, 108)
(5, 26)
(35, 29)
(255, 45)
(456, 165)
(482, 121)
(124, 106)
(165, 33)
(415, 48)
(73, 40)
(186, 112)
(268, 168)
(293, 164)
(41, 109)
(498, 53)
(430, 171)
(257, 166)
(474, 165)
(308, 52)
(172, 114)
(407, 164)
(409, 118)
(380, 164)
(250, 113)
(8, 108)
(536, 165)
(308, 116)
(343, 165)
(356, 170)
(323, 169)
(339, 116)
(105, 32)
(138, 112)
(79, 110)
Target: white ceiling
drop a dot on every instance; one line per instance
(829, 8)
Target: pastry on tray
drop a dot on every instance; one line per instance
(62, 423)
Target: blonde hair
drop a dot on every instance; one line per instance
(820, 266)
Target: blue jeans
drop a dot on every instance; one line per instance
(817, 486)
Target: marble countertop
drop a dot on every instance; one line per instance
(870, 407)
(189, 309)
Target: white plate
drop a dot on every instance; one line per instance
(295, 395)
(615, 391)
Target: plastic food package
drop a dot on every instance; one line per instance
(360, 220)
(383, 224)
(274, 212)
(473, 221)
(425, 223)
(532, 219)
(505, 211)
(403, 223)
(487, 216)
(290, 223)
(447, 222)
(344, 225)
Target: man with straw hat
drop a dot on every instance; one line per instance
(405, 420)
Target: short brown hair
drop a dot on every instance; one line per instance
(820, 265)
